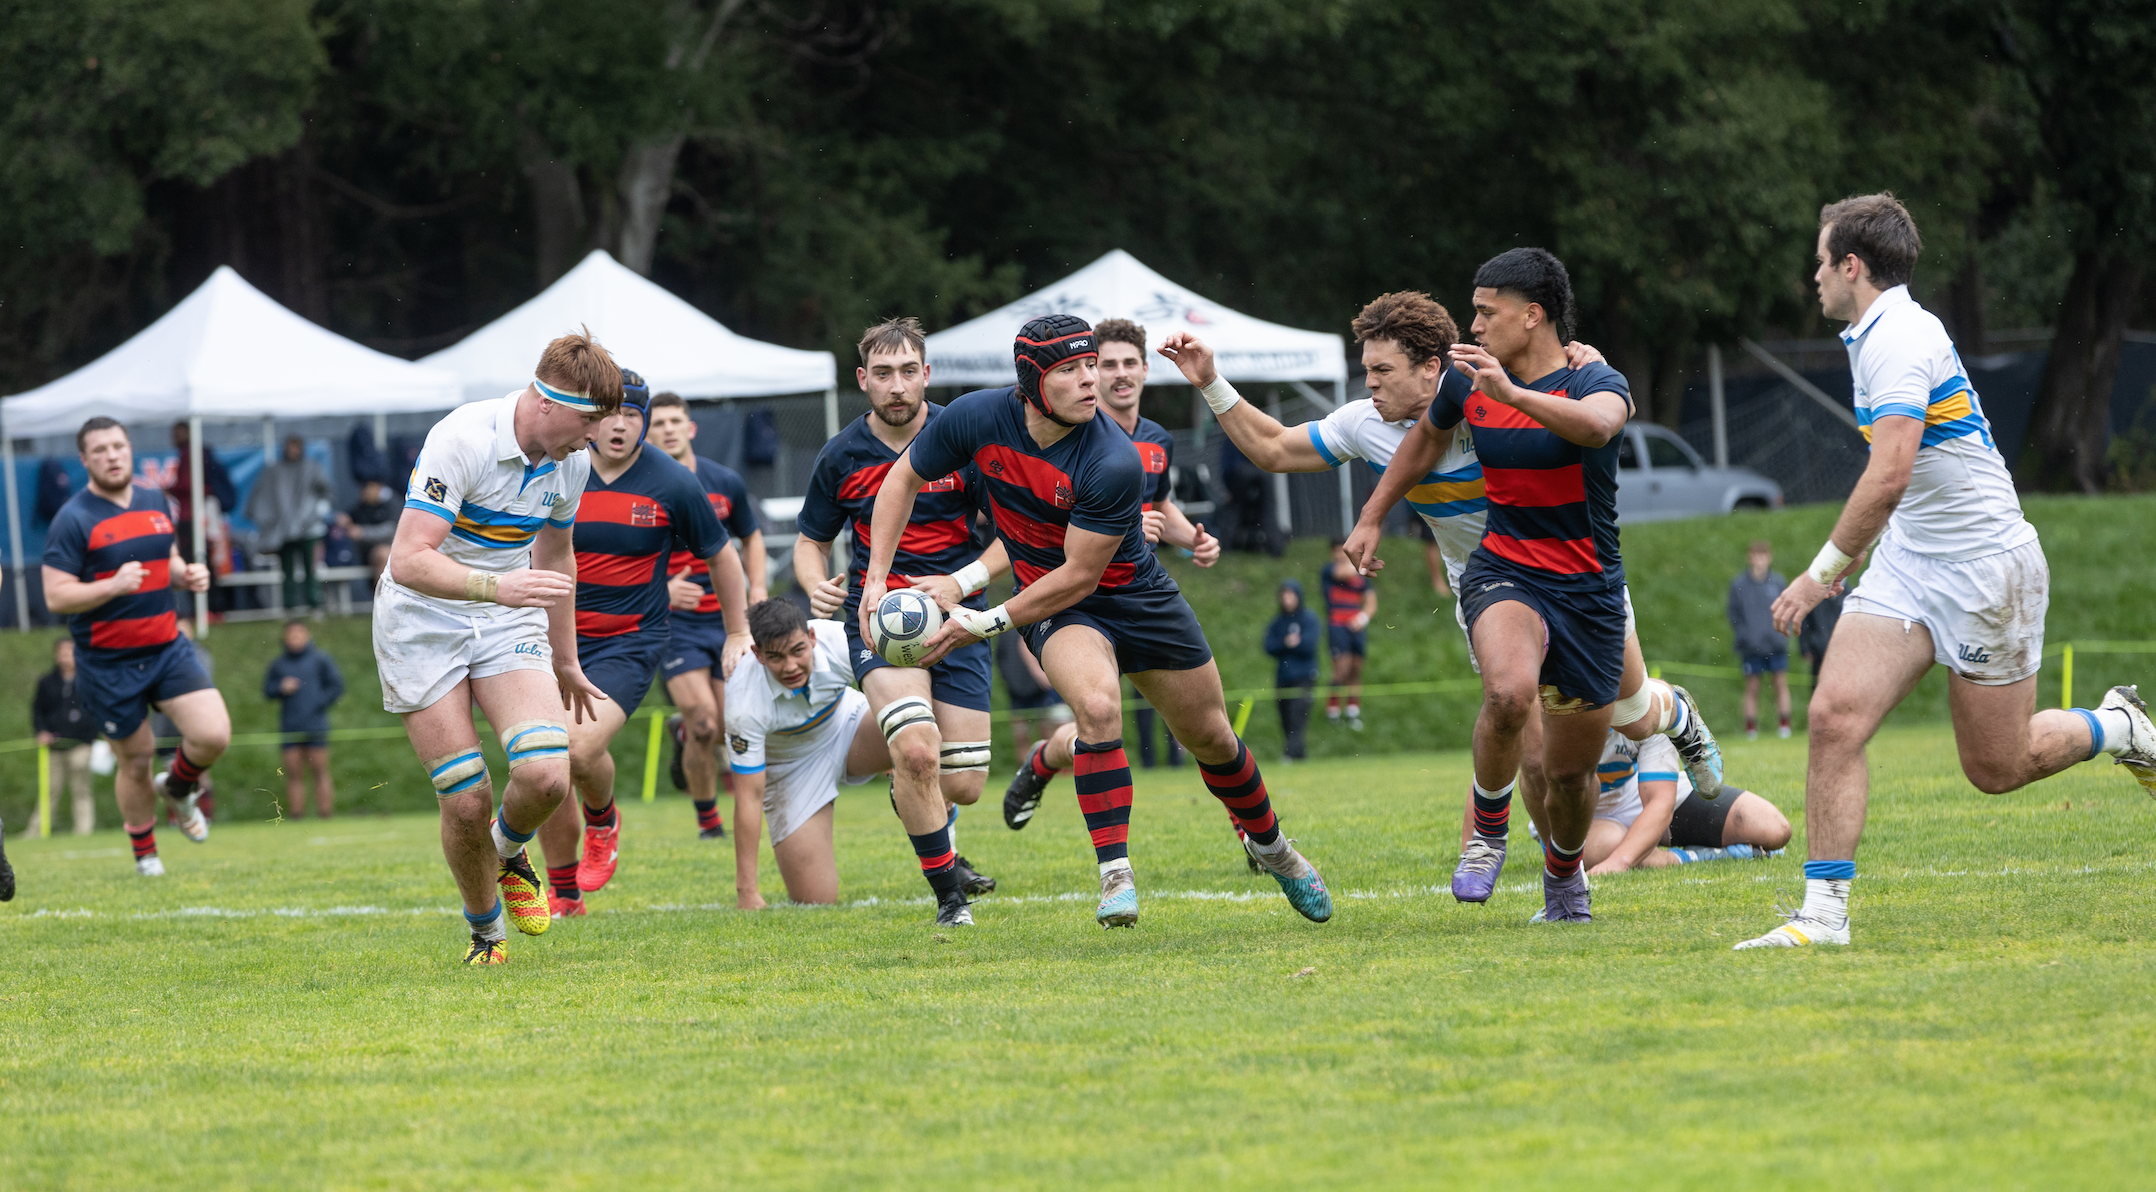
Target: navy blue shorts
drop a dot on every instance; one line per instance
(961, 679)
(1760, 664)
(116, 696)
(1030, 703)
(1344, 640)
(621, 666)
(693, 643)
(307, 738)
(1152, 630)
(1583, 657)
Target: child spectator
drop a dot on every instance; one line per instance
(1758, 643)
(307, 681)
(56, 716)
(1292, 640)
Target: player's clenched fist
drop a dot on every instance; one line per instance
(128, 579)
(195, 577)
(529, 588)
(828, 597)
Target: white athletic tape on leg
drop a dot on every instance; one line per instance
(535, 741)
(1632, 707)
(455, 773)
(961, 756)
(903, 713)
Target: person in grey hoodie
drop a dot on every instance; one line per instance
(308, 682)
(1758, 643)
(289, 506)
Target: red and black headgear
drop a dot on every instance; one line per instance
(1047, 343)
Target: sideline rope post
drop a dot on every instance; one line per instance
(651, 757)
(44, 791)
(2066, 677)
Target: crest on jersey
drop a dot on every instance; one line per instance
(1481, 411)
(995, 466)
(436, 490)
(722, 505)
(1064, 498)
(643, 513)
(737, 742)
(949, 484)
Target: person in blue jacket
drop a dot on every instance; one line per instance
(306, 680)
(1292, 640)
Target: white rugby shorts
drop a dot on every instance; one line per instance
(1986, 616)
(423, 649)
(796, 788)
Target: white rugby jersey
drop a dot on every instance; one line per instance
(1960, 503)
(1449, 498)
(473, 475)
(766, 722)
(1627, 763)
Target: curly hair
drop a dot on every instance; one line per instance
(1120, 331)
(1413, 320)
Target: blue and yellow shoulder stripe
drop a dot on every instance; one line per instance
(1950, 412)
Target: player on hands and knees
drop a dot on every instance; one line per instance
(479, 605)
(698, 625)
(111, 558)
(1957, 576)
(1123, 371)
(936, 717)
(1065, 488)
(795, 729)
(639, 511)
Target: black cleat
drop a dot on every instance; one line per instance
(718, 833)
(7, 871)
(674, 771)
(952, 910)
(1023, 797)
(971, 882)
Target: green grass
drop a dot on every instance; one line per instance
(285, 1008)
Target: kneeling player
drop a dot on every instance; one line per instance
(795, 729)
(1066, 488)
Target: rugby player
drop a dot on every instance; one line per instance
(479, 605)
(1350, 602)
(1066, 488)
(935, 718)
(638, 507)
(1957, 577)
(111, 558)
(795, 729)
(695, 682)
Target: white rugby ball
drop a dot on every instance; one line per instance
(903, 622)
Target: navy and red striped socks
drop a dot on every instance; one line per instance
(184, 774)
(605, 817)
(1241, 789)
(707, 815)
(939, 861)
(1038, 760)
(1559, 864)
(1493, 812)
(563, 879)
(144, 839)
(1102, 774)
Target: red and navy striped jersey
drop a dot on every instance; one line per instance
(1343, 597)
(625, 532)
(90, 538)
(1156, 454)
(1553, 504)
(736, 510)
(1090, 478)
(842, 490)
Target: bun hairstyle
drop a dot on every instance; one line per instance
(1538, 276)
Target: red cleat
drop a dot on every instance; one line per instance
(601, 849)
(564, 908)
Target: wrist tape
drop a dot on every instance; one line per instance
(983, 624)
(971, 578)
(1220, 395)
(1829, 565)
(481, 585)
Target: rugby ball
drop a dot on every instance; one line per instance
(903, 622)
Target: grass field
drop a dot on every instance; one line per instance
(286, 1009)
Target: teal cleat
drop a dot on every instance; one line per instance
(1298, 879)
(1118, 899)
(1702, 754)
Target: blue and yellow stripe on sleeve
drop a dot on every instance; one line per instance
(1950, 412)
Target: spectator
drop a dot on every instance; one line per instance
(1818, 627)
(168, 733)
(223, 497)
(1032, 699)
(372, 523)
(307, 681)
(1292, 640)
(56, 716)
(1761, 646)
(54, 487)
(290, 509)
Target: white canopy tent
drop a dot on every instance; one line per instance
(977, 353)
(227, 351)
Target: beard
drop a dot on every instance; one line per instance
(883, 413)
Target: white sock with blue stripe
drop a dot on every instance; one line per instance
(950, 827)
(507, 840)
(1826, 891)
(2110, 729)
(489, 926)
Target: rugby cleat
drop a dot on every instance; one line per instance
(1298, 879)
(1800, 932)
(150, 866)
(7, 871)
(675, 773)
(486, 951)
(972, 882)
(953, 911)
(1474, 879)
(718, 833)
(564, 908)
(523, 896)
(1702, 756)
(1023, 797)
(602, 850)
(193, 824)
(1564, 900)
(1118, 899)
(2139, 756)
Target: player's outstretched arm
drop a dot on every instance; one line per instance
(1418, 453)
(748, 833)
(1895, 439)
(894, 508)
(812, 570)
(1255, 433)
(1658, 802)
(1176, 529)
(554, 552)
(731, 584)
(1590, 421)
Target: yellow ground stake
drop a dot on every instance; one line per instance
(1242, 715)
(651, 759)
(44, 789)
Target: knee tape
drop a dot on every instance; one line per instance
(457, 773)
(904, 713)
(961, 756)
(1633, 706)
(535, 741)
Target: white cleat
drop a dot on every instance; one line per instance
(149, 866)
(1800, 932)
(193, 824)
(2140, 754)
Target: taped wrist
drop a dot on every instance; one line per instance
(1219, 394)
(983, 624)
(1830, 564)
(481, 585)
(535, 741)
(903, 713)
(456, 773)
(961, 756)
(971, 578)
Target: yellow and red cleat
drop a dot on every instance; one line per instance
(523, 896)
(486, 951)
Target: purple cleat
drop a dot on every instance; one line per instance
(1475, 878)
(1564, 900)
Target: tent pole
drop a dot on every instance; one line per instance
(269, 440)
(1346, 475)
(830, 413)
(197, 517)
(1280, 479)
(1716, 405)
(14, 534)
(381, 433)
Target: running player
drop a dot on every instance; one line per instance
(936, 719)
(1350, 602)
(1065, 488)
(1404, 338)
(110, 561)
(695, 682)
(637, 508)
(479, 605)
(1957, 578)
(795, 729)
